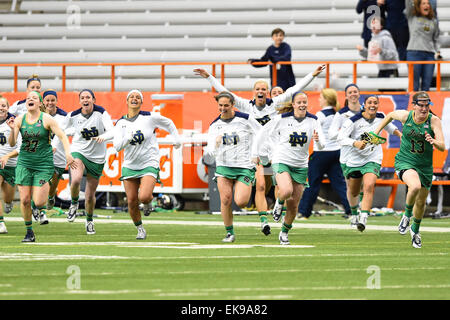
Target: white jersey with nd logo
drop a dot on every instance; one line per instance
(5, 148)
(292, 137)
(138, 139)
(233, 141)
(84, 128)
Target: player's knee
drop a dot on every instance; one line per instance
(284, 193)
(241, 203)
(226, 200)
(369, 188)
(26, 201)
(145, 198)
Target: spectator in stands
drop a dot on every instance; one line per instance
(397, 24)
(85, 123)
(364, 161)
(325, 161)
(370, 8)
(135, 134)
(279, 51)
(19, 107)
(381, 48)
(422, 132)
(423, 43)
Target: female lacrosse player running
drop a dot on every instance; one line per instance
(135, 134)
(351, 108)
(231, 141)
(85, 123)
(19, 107)
(364, 162)
(422, 131)
(8, 162)
(262, 109)
(292, 132)
(59, 159)
(35, 162)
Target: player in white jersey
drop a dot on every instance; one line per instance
(364, 162)
(85, 123)
(135, 134)
(262, 109)
(59, 158)
(352, 106)
(19, 107)
(325, 161)
(8, 162)
(231, 141)
(293, 130)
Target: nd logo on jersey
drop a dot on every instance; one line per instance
(2, 139)
(138, 138)
(232, 138)
(88, 134)
(262, 121)
(295, 139)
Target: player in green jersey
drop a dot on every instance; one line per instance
(35, 162)
(422, 131)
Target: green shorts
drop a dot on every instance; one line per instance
(426, 178)
(9, 175)
(59, 171)
(343, 167)
(299, 175)
(358, 172)
(246, 176)
(33, 177)
(92, 168)
(134, 174)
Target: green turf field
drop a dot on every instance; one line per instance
(183, 258)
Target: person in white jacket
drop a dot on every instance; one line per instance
(135, 134)
(292, 132)
(364, 161)
(231, 141)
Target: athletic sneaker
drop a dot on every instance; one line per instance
(36, 214)
(3, 229)
(43, 218)
(416, 240)
(29, 237)
(353, 221)
(265, 228)
(283, 237)
(404, 224)
(90, 227)
(362, 221)
(277, 211)
(72, 213)
(229, 238)
(142, 234)
(8, 207)
(147, 209)
(50, 203)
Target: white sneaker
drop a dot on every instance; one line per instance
(72, 213)
(142, 234)
(353, 221)
(404, 224)
(416, 240)
(229, 238)
(277, 211)
(283, 237)
(36, 214)
(362, 221)
(147, 209)
(8, 207)
(43, 218)
(3, 229)
(90, 227)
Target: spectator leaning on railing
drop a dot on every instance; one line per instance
(423, 43)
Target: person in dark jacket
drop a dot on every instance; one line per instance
(369, 8)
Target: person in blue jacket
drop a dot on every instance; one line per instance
(369, 8)
(279, 51)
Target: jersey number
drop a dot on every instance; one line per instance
(31, 145)
(417, 146)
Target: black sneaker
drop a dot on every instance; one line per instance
(265, 228)
(29, 237)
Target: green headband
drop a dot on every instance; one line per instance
(40, 97)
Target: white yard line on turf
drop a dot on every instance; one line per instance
(298, 225)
